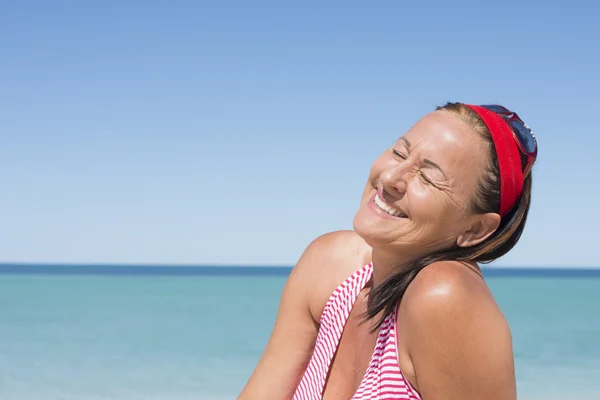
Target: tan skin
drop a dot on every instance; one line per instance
(454, 342)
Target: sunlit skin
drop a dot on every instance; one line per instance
(430, 174)
(453, 341)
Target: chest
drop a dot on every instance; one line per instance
(352, 357)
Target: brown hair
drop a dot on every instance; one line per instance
(486, 199)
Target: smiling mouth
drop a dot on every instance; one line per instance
(393, 211)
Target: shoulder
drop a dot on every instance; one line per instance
(323, 263)
(327, 261)
(449, 291)
(327, 253)
(337, 246)
(455, 331)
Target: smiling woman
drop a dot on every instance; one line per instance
(398, 308)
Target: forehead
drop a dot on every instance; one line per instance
(444, 138)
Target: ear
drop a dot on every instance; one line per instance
(481, 228)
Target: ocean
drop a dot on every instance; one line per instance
(103, 332)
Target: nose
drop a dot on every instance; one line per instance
(396, 177)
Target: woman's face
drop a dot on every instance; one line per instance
(418, 194)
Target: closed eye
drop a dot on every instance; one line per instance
(397, 154)
(425, 178)
(400, 156)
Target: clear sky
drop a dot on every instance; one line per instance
(235, 132)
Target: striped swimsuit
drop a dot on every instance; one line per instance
(383, 378)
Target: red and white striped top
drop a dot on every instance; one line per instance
(383, 378)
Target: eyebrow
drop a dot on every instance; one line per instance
(426, 161)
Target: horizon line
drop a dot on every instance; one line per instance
(233, 265)
(240, 270)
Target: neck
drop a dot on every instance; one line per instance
(385, 264)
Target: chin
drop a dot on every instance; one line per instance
(362, 225)
(371, 229)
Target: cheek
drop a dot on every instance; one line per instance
(425, 203)
(377, 168)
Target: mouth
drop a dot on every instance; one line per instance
(387, 208)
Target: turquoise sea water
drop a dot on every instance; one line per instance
(142, 336)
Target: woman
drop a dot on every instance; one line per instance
(399, 308)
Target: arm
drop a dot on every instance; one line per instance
(458, 340)
(292, 340)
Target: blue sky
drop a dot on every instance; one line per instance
(235, 132)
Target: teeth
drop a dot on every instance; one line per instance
(393, 211)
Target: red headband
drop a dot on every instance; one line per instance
(509, 158)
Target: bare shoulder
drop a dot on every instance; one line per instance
(451, 288)
(327, 262)
(322, 266)
(339, 247)
(458, 338)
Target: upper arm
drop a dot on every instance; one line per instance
(293, 337)
(458, 340)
